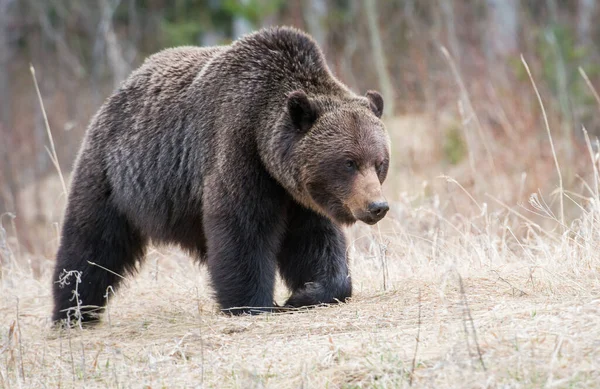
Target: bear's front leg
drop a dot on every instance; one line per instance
(312, 260)
(243, 229)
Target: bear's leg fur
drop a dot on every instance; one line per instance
(312, 260)
(93, 231)
(243, 232)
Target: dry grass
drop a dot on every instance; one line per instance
(449, 292)
(534, 304)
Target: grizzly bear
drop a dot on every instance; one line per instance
(251, 157)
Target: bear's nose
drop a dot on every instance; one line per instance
(378, 209)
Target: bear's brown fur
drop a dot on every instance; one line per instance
(249, 156)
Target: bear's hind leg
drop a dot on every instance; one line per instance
(312, 260)
(93, 231)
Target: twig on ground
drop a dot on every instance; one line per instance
(514, 288)
(553, 359)
(22, 371)
(468, 312)
(414, 360)
(72, 357)
(83, 361)
(201, 338)
(60, 355)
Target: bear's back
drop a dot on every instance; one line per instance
(153, 99)
(170, 70)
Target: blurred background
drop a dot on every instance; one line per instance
(459, 102)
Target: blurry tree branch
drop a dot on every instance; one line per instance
(7, 186)
(504, 27)
(447, 8)
(119, 66)
(385, 83)
(59, 39)
(585, 13)
(314, 12)
(560, 74)
(350, 47)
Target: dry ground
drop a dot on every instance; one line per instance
(449, 293)
(527, 316)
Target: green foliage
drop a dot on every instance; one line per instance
(185, 21)
(252, 10)
(560, 58)
(455, 148)
(558, 41)
(183, 33)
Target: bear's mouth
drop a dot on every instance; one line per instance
(339, 212)
(330, 205)
(368, 217)
(344, 216)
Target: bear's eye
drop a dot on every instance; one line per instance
(350, 164)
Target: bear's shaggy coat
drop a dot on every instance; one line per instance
(249, 156)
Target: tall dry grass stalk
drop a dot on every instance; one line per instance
(547, 125)
(52, 150)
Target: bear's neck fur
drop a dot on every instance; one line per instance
(278, 61)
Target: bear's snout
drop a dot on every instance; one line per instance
(373, 213)
(367, 203)
(378, 209)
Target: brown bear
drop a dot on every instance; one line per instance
(250, 156)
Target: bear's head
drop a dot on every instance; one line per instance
(342, 149)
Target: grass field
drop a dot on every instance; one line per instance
(449, 292)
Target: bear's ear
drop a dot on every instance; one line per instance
(302, 111)
(376, 102)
